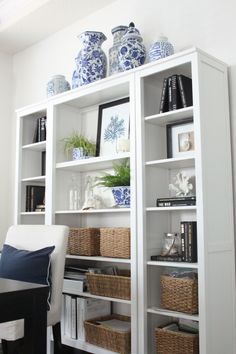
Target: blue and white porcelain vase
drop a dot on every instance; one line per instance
(132, 52)
(121, 196)
(160, 49)
(91, 60)
(57, 84)
(114, 64)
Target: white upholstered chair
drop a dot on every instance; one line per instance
(31, 238)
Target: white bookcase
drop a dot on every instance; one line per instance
(151, 172)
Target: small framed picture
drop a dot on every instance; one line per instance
(180, 138)
(113, 126)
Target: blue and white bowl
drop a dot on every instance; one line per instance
(160, 49)
(121, 196)
(91, 60)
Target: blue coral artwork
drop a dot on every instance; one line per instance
(114, 125)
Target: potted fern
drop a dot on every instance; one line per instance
(119, 182)
(79, 146)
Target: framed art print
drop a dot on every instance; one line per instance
(180, 139)
(113, 124)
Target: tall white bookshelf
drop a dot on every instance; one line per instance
(151, 172)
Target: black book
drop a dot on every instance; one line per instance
(35, 196)
(176, 201)
(27, 198)
(173, 258)
(36, 134)
(185, 89)
(164, 97)
(42, 129)
(43, 163)
(176, 102)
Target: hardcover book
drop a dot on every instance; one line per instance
(175, 201)
(185, 88)
(164, 98)
(34, 196)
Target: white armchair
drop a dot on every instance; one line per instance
(31, 238)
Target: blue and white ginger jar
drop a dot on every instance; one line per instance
(114, 64)
(132, 52)
(160, 49)
(57, 84)
(91, 60)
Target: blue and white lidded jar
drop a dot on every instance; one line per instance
(57, 84)
(91, 60)
(132, 52)
(160, 49)
(114, 64)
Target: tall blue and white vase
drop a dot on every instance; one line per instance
(132, 52)
(160, 49)
(114, 64)
(91, 61)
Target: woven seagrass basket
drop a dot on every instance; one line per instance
(170, 342)
(179, 294)
(97, 334)
(84, 241)
(115, 242)
(117, 286)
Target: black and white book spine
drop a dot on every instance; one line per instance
(170, 93)
(186, 249)
(42, 125)
(174, 92)
(181, 90)
(163, 101)
(182, 241)
(192, 236)
(27, 198)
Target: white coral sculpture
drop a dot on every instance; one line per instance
(181, 186)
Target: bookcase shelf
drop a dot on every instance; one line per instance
(92, 164)
(86, 294)
(163, 312)
(99, 259)
(41, 146)
(151, 174)
(172, 163)
(169, 117)
(173, 264)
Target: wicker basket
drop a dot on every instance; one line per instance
(170, 342)
(104, 337)
(117, 286)
(115, 242)
(179, 294)
(84, 241)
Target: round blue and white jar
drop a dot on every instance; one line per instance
(91, 60)
(160, 49)
(114, 64)
(132, 52)
(57, 84)
(121, 196)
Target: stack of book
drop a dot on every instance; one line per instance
(40, 130)
(35, 196)
(176, 201)
(176, 93)
(188, 241)
(79, 309)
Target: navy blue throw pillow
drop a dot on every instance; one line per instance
(28, 266)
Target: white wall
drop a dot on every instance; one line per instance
(207, 24)
(6, 173)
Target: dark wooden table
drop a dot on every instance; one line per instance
(29, 301)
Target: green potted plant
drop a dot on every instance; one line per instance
(119, 182)
(79, 146)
